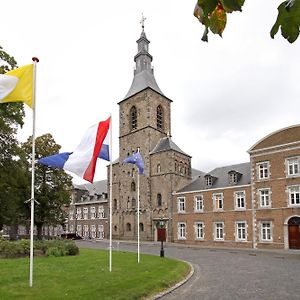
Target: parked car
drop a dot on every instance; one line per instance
(70, 236)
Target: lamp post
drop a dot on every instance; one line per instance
(161, 236)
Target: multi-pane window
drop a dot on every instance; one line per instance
(240, 200)
(72, 228)
(198, 203)
(133, 118)
(266, 231)
(86, 230)
(181, 204)
(263, 170)
(264, 198)
(293, 166)
(85, 213)
(241, 231)
(294, 195)
(101, 213)
(218, 201)
(219, 231)
(71, 215)
(208, 181)
(159, 117)
(93, 231)
(199, 230)
(181, 231)
(93, 212)
(101, 231)
(79, 230)
(78, 213)
(233, 178)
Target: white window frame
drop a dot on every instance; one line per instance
(181, 232)
(233, 178)
(241, 231)
(101, 231)
(93, 231)
(266, 231)
(101, 213)
(199, 230)
(209, 181)
(85, 213)
(198, 203)
(218, 198)
(262, 198)
(181, 204)
(294, 194)
(79, 230)
(263, 170)
(239, 196)
(219, 232)
(93, 212)
(78, 213)
(292, 166)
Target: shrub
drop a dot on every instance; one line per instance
(12, 249)
(55, 251)
(71, 248)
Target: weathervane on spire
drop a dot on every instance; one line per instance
(143, 21)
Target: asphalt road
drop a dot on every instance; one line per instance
(227, 273)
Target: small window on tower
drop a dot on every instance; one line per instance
(133, 118)
(159, 117)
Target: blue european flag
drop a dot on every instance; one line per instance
(137, 160)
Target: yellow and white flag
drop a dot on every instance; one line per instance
(17, 85)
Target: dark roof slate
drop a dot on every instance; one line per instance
(222, 180)
(165, 144)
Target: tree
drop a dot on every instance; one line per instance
(13, 176)
(213, 15)
(52, 185)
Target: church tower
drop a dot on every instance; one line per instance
(145, 124)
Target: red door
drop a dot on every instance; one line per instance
(294, 233)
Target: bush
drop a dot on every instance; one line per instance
(13, 249)
(71, 248)
(55, 251)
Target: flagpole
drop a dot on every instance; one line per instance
(138, 214)
(110, 195)
(35, 61)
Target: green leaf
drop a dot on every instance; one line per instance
(208, 6)
(232, 5)
(218, 20)
(288, 20)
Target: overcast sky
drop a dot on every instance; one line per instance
(227, 94)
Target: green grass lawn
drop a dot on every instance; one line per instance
(87, 276)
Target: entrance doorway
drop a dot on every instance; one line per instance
(294, 233)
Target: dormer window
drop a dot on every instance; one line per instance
(234, 177)
(209, 180)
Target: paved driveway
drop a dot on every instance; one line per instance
(228, 273)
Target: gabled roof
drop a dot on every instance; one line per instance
(222, 180)
(166, 144)
(96, 188)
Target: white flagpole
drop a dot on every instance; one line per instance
(138, 215)
(110, 194)
(35, 61)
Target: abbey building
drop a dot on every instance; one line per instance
(255, 204)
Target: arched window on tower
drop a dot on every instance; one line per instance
(132, 186)
(128, 227)
(159, 200)
(133, 118)
(159, 117)
(141, 227)
(133, 203)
